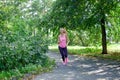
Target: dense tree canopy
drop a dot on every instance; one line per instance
(87, 15)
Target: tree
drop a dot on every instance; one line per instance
(83, 14)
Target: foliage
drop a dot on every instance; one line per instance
(19, 73)
(23, 39)
(22, 52)
(80, 14)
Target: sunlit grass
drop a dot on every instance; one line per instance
(113, 51)
(114, 48)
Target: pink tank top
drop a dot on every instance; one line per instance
(62, 39)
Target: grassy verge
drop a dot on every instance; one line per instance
(113, 51)
(27, 71)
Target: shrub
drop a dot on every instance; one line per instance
(19, 53)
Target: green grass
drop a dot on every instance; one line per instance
(31, 69)
(113, 51)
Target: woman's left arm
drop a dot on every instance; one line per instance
(67, 39)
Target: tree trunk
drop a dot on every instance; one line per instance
(104, 43)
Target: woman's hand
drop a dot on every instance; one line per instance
(58, 42)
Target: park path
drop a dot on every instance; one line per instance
(80, 68)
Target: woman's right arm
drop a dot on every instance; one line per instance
(58, 40)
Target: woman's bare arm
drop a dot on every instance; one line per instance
(58, 39)
(67, 39)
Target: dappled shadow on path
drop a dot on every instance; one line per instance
(80, 68)
(96, 69)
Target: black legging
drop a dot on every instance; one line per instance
(63, 52)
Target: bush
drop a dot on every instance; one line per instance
(19, 53)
